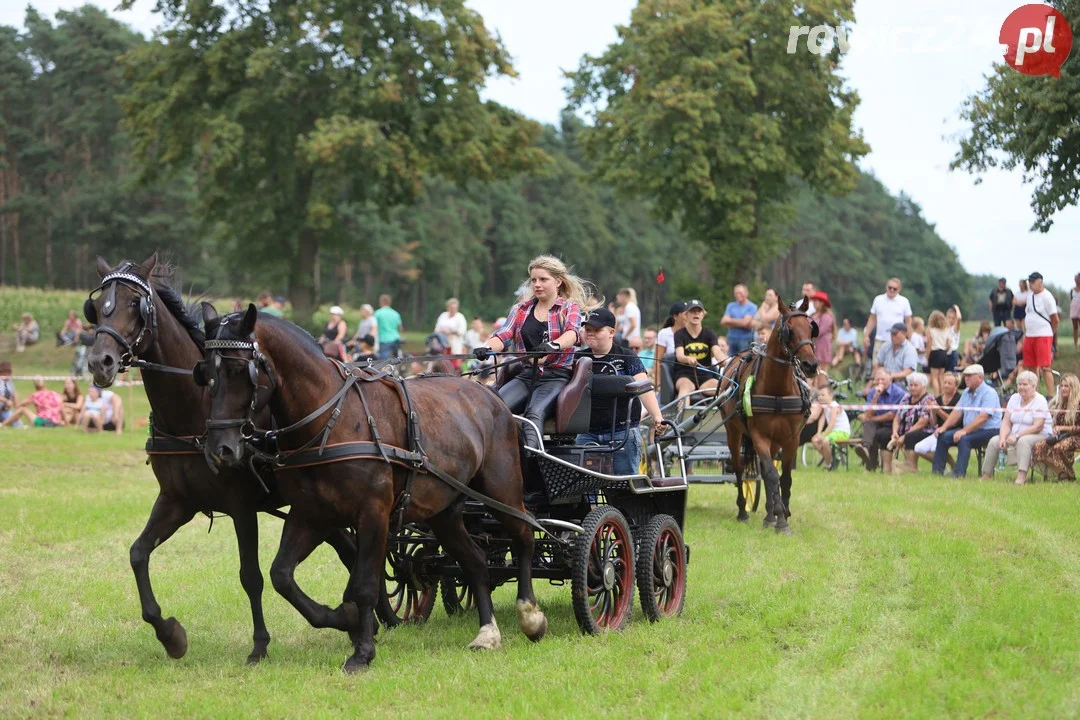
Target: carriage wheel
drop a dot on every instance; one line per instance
(602, 572)
(751, 492)
(407, 596)
(457, 596)
(661, 568)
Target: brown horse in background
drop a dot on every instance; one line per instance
(779, 408)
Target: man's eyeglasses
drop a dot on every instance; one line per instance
(892, 288)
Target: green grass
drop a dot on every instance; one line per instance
(915, 596)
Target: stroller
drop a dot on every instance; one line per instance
(1000, 358)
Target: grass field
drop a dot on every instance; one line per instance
(915, 597)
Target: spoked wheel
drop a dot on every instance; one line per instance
(602, 572)
(661, 568)
(751, 492)
(457, 596)
(408, 595)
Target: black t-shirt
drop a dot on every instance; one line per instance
(699, 348)
(533, 332)
(619, 361)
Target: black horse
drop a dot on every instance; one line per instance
(142, 321)
(361, 451)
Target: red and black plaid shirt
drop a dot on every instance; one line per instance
(564, 316)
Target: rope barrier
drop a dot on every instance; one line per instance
(63, 378)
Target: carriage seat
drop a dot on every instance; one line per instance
(574, 404)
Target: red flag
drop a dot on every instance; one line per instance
(660, 276)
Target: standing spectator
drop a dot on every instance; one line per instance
(898, 356)
(267, 305)
(1074, 310)
(1020, 303)
(833, 426)
(877, 423)
(696, 351)
(69, 333)
(334, 334)
(953, 318)
(980, 422)
(938, 339)
(630, 321)
(1040, 322)
(913, 424)
(367, 326)
(847, 341)
(452, 325)
(390, 329)
(887, 310)
(648, 348)
(1026, 422)
(808, 290)
(8, 398)
(42, 409)
(1057, 453)
(26, 332)
(823, 344)
(1001, 302)
(665, 339)
(769, 311)
(918, 341)
(73, 401)
(739, 319)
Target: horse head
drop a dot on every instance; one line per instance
(795, 332)
(233, 369)
(123, 311)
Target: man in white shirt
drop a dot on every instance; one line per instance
(887, 310)
(1040, 326)
(808, 291)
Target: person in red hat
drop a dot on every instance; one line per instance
(823, 345)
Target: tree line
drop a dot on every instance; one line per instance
(333, 188)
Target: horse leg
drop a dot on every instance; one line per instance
(735, 441)
(788, 457)
(449, 527)
(774, 503)
(166, 517)
(365, 584)
(246, 525)
(298, 539)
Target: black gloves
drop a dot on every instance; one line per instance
(481, 353)
(549, 348)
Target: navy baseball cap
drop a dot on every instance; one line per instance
(677, 307)
(600, 317)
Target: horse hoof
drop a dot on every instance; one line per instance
(354, 665)
(743, 516)
(257, 656)
(489, 638)
(768, 522)
(532, 621)
(785, 530)
(176, 643)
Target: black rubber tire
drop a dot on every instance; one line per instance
(399, 602)
(661, 568)
(457, 596)
(607, 531)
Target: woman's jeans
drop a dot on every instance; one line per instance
(627, 460)
(533, 395)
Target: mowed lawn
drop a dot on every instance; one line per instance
(916, 596)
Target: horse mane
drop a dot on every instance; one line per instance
(302, 337)
(162, 278)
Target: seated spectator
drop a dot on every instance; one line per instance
(913, 424)
(974, 348)
(92, 416)
(114, 411)
(833, 426)
(26, 332)
(268, 305)
(847, 341)
(334, 334)
(8, 398)
(69, 333)
(73, 401)
(978, 419)
(1026, 422)
(364, 350)
(476, 335)
(877, 424)
(42, 409)
(898, 356)
(647, 353)
(1057, 453)
(918, 341)
(940, 408)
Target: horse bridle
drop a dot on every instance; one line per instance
(785, 337)
(208, 373)
(147, 313)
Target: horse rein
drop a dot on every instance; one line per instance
(147, 313)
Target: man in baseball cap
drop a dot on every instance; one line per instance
(898, 356)
(1040, 326)
(977, 420)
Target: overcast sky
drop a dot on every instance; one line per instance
(915, 64)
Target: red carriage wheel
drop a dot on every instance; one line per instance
(661, 568)
(602, 572)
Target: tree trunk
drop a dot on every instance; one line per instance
(345, 290)
(48, 253)
(302, 276)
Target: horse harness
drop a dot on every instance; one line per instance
(264, 443)
(777, 404)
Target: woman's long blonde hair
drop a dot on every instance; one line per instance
(573, 288)
(629, 292)
(937, 320)
(1072, 407)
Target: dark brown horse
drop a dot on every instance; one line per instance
(779, 405)
(367, 477)
(140, 319)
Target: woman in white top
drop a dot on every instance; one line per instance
(847, 341)
(768, 311)
(630, 320)
(953, 318)
(665, 339)
(833, 426)
(1026, 422)
(452, 324)
(939, 343)
(1020, 302)
(918, 340)
(1074, 310)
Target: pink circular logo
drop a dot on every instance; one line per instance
(1039, 40)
